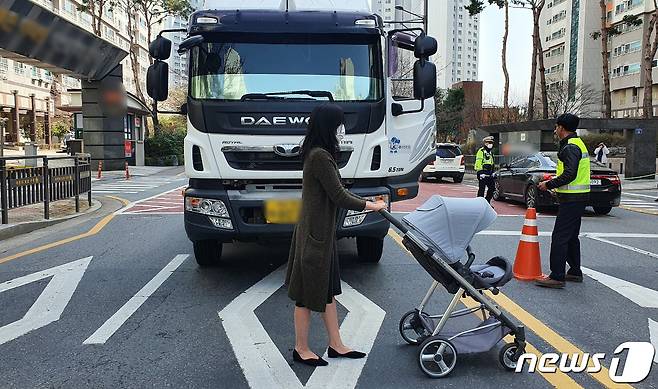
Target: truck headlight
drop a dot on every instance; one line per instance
(216, 211)
(354, 218)
(206, 206)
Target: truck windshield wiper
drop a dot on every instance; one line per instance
(275, 95)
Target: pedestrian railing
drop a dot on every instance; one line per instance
(58, 178)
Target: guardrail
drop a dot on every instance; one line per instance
(25, 185)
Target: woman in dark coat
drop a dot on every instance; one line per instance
(313, 277)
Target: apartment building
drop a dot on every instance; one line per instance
(35, 89)
(571, 56)
(626, 58)
(458, 35)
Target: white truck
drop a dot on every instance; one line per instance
(256, 71)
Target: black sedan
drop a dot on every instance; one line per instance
(518, 181)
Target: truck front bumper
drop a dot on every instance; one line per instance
(244, 209)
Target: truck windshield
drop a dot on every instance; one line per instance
(230, 70)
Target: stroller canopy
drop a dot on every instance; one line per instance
(449, 223)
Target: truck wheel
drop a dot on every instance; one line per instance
(369, 249)
(207, 252)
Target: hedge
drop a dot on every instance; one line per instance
(165, 149)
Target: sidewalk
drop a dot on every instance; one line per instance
(641, 184)
(29, 218)
(135, 171)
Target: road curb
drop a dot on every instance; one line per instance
(24, 228)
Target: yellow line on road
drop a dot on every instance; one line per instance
(640, 210)
(558, 379)
(93, 231)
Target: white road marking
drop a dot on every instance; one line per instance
(640, 295)
(133, 203)
(262, 363)
(51, 302)
(592, 235)
(627, 247)
(653, 337)
(130, 307)
(639, 195)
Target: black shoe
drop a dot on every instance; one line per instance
(311, 361)
(351, 354)
(573, 278)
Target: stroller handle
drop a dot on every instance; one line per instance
(387, 215)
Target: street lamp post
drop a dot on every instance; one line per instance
(3, 122)
(421, 19)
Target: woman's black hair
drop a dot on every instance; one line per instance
(321, 130)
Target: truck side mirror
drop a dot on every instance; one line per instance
(425, 46)
(424, 79)
(160, 48)
(157, 81)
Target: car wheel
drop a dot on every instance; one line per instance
(531, 197)
(602, 210)
(207, 252)
(497, 193)
(458, 179)
(369, 249)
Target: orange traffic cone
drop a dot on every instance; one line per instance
(527, 265)
(100, 169)
(127, 172)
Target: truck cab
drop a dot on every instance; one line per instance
(255, 75)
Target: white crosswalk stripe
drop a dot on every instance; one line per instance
(128, 186)
(639, 202)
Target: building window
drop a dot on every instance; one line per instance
(4, 65)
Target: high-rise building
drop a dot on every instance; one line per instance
(627, 93)
(456, 32)
(177, 62)
(571, 57)
(458, 36)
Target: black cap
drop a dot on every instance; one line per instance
(568, 121)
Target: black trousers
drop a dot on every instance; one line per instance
(565, 245)
(485, 180)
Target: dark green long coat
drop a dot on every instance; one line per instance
(314, 238)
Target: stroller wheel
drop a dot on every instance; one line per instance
(506, 356)
(412, 329)
(437, 357)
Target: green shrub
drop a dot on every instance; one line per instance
(165, 144)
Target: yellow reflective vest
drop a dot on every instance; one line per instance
(483, 160)
(581, 183)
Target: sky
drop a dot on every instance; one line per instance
(519, 53)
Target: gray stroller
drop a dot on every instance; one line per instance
(438, 235)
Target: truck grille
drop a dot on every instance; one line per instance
(268, 160)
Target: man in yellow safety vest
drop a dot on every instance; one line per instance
(572, 188)
(484, 168)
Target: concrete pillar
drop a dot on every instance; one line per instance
(15, 119)
(33, 118)
(46, 124)
(640, 152)
(103, 111)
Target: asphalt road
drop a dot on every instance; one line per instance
(130, 307)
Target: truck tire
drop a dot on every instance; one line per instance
(207, 252)
(369, 249)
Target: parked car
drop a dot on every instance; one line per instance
(449, 162)
(518, 181)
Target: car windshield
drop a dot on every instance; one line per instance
(448, 151)
(349, 69)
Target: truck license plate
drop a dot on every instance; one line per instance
(282, 211)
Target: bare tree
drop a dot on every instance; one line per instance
(606, 32)
(536, 6)
(96, 8)
(581, 102)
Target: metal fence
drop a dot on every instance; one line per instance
(57, 178)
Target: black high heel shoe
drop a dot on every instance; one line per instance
(351, 354)
(310, 362)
